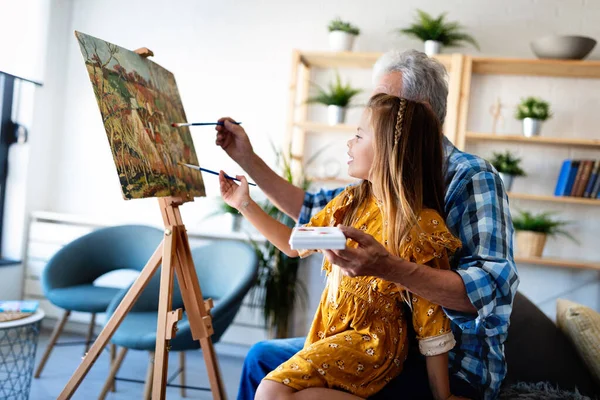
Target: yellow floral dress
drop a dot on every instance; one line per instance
(359, 343)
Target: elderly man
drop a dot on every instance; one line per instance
(478, 292)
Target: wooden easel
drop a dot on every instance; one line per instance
(174, 252)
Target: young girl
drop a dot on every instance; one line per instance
(357, 342)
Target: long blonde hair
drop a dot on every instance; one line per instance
(407, 174)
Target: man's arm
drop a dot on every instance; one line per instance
(443, 287)
(285, 196)
(480, 213)
(288, 198)
(371, 258)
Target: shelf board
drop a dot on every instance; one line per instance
(556, 68)
(350, 59)
(557, 141)
(320, 127)
(555, 199)
(557, 262)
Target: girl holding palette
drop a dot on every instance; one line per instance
(358, 340)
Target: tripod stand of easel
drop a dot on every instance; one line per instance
(174, 253)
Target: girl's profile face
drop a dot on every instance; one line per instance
(360, 149)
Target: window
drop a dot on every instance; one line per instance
(10, 132)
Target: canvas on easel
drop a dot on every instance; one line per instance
(138, 101)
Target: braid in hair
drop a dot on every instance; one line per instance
(399, 121)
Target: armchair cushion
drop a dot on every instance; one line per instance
(83, 298)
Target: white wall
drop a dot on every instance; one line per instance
(233, 58)
(22, 48)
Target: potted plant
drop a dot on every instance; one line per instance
(533, 230)
(341, 35)
(508, 166)
(277, 289)
(437, 32)
(532, 111)
(337, 99)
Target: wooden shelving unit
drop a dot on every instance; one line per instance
(526, 67)
(303, 62)
(350, 59)
(460, 68)
(557, 262)
(555, 199)
(533, 67)
(546, 140)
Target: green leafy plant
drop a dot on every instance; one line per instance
(336, 95)
(507, 163)
(450, 34)
(339, 25)
(541, 223)
(227, 209)
(533, 107)
(277, 289)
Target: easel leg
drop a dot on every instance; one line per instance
(112, 325)
(208, 351)
(212, 368)
(161, 355)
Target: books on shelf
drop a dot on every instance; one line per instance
(579, 178)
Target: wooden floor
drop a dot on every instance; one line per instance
(65, 359)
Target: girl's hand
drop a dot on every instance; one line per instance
(233, 194)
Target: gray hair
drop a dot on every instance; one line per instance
(423, 78)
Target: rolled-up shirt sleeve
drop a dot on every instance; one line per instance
(488, 270)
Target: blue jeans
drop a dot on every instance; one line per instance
(412, 383)
(263, 358)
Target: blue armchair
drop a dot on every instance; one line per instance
(226, 271)
(67, 279)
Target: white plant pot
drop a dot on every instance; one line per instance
(508, 180)
(531, 127)
(341, 41)
(336, 115)
(432, 47)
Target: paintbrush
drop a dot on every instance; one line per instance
(180, 124)
(212, 172)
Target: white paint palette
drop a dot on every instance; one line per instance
(317, 238)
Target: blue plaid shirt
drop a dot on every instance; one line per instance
(478, 213)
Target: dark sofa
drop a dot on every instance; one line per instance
(537, 351)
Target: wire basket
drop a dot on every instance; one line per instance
(18, 345)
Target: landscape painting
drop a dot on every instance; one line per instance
(139, 101)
